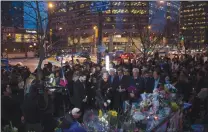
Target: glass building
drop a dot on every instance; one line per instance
(194, 23)
(77, 22)
(164, 17)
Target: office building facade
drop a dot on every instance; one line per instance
(77, 23)
(194, 23)
(164, 17)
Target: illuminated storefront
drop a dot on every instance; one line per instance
(17, 39)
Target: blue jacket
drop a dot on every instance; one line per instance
(75, 127)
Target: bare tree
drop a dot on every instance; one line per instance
(35, 15)
(149, 41)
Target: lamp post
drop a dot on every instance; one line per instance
(99, 6)
(50, 7)
(95, 38)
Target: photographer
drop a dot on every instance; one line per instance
(37, 108)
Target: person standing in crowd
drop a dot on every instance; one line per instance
(121, 93)
(183, 86)
(113, 79)
(79, 97)
(201, 82)
(31, 111)
(10, 109)
(92, 87)
(136, 82)
(158, 80)
(106, 91)
(148, 82)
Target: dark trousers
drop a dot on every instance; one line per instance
(48, 122)
(33, 127)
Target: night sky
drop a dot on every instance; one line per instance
(29, 22)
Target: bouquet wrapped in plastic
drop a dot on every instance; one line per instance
(9, 128)
(92, 122)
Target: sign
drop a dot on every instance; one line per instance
(29, 31)
(118, 36)
(101, 48)
(99, 6)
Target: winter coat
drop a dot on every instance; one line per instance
(79, 94)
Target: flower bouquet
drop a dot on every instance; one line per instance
(96, 121)
(113, 119)
(146, 102)
(131, 89)
(9, 128)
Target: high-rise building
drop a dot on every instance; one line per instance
(12, 14)
(194, 23)
(164, 17)
(77, 23)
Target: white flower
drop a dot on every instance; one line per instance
(109, 101)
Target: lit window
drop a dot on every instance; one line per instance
(87, 4)
(134, 11)
(27, 38)
(82, 6)
(202, 27)
(108, 11)
(119, 11)
(126, 4)
(34, 38)
(18, 37)
(117, 3)
(71, 8)
(108, 19)
(124, 19)
(62, 10)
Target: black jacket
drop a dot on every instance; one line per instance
(138, 83)
(185, 89)
(31, 110)
(106, 90)
(79, 93)
(124, 83)
(149, 84)
(10, 110)
(114, 82)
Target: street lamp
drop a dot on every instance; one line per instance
(50, 5)
(95, 27)
(149, 27)
(60, 28)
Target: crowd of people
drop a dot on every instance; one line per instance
(30, 105)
